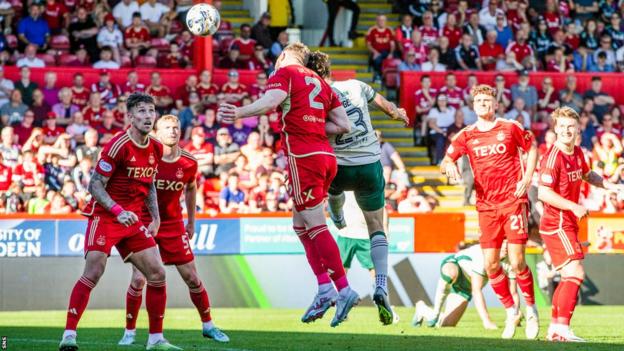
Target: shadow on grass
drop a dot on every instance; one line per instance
(101, 339)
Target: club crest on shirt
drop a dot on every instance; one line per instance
(152, 160)
(179, 173)
(101, 240)
(500, 136)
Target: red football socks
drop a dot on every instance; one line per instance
(330, 255)
(134, 298)
(199, 296)
(155, 302)
(313, 257)
(525, 282)
(566, 301)
(78, 301)
(500, 284)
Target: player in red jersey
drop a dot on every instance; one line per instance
(310, 111)
(494, 147)
(562, 172)
(177, 170)
(122, 185)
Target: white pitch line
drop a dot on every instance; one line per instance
(95, 343)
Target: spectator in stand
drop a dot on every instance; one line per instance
(380, 42)
(261, 32)
(433, 65)
(106, 59)
(454, 95)
(441, 116)
(608, 127)
(23, 130)
(391, 159)
(259, 87)
(33, 29)
(53, 177)
(9, 148)
(59, 204)
(77, 128)
(225, 152)
(50, 91)
(239, 132)
(90, 149)
(467, 54)
(207, 91)
(590, 37)
(107, 130)
(157, 17)
(520, 47)
(467, 112)
(6, 178)
(414, 203)
(509, 64)
(254, 151)
(409, 64)
(137, 37)
(428, 30)
(585, 9)
(504, 35)
(80, 95)
(123, 12)
(474, 29)
(30, 58)
(121, 113)
(232, 197)
(527, 92)
(447, 55)
(259, 61)
(606, 154)
(279, 45)
(190, 115)
(109, 91)
(161, 93)
(175, 58)
(51, 132)
(548, 100)
(569, 96)
(519, 114)
(84, 32)
(452, 31)
(233, 60)
(614, 30)
(541, 40)
(94, 110)
(490, 52)
(488, 15)
(80, 59)
(607, 48)
(602, 101)
(110, 36)
(601, 64)
(57, 16)
(244, 43)
(503, 95)
(233, 91)
(6, 87)
(559, 62)
(211, 126)
(418, 46)
(333, 6)
(472, 81)
(133, 85)
(39, 106)
(13, 111)
(619, 58)
(38, 204)
(183, 92)
(403, 33)
(202, 151)
(583, 59)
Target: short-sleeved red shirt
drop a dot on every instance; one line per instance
(380, 39)
(80, 98)
(134, 35)
(495, 159)
(54, 14)
(28, 172)
(304, 111)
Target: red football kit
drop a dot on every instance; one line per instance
(80, 98)
(563, 173)
(130, 168)
(496, 162)
(380, 38)
(53, 14)
(422, 102)
(93, 116)
(521, 50)
(139, 35)
(455, 96)
(170, 181)
(311, 161)
(246, 47)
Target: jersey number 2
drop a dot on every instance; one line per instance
(314, 93)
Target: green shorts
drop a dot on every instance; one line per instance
(366, 182)
(359, 248)
(462, 286)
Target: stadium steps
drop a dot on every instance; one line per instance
(451, 199)
(235, 12)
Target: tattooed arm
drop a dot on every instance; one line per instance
(595, 179)
(97, 189)
(151, 202)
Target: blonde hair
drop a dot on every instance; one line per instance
(483, 89)
(166, 118)
(300, 51)
(564, 112)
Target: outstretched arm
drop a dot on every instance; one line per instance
(269, 101)
(97, 189)
(595, 179)
(337, 121)
(190, 197)
(390, 109)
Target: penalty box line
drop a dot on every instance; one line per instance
(95, 343)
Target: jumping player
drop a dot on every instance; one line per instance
(359, 169)
(177, 170)
(310, 111)
(121, 187)
(462, 277)
(562, 171)
(493, 148)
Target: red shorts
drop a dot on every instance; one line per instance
(503, 223)
(174, 245)
(309, 179)
(104, 232)
(562, 245)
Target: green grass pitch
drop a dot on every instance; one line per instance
(280, 329)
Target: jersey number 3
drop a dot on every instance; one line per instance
(314, 93)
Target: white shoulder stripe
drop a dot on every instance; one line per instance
(552, 158)
(118, 145)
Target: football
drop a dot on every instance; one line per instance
(203, 19)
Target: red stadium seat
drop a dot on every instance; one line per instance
(160, 44)
(11, 41)
(60, 42)
(48, 59)
(145, 62)
(390, 72)
(66, 59)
